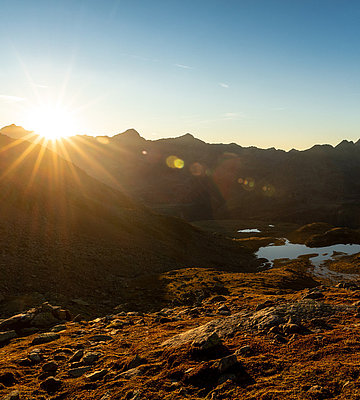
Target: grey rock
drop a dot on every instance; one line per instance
(244, 350)
(77, 372)
(51, 384)
(50, 366)
(91, 358)
(14, 395)
(77, 356)
(58, 328)
(131, 373)
(225, 363)
(94, 376)
(45, 338)
(6, 336)
(44, 319)
(35, 356)
(100, 338)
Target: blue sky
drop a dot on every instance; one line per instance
(282, 73)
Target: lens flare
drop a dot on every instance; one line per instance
(175, 162)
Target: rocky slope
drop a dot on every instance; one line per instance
(65, 235)
(298, 342)
(187, 177)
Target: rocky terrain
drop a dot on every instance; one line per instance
(260, 341)
(102, 298)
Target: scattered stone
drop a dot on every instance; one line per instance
(6, 336)
(265, 304)
(91, 358)
(100, 338)
(291, 328)
(35, 356)
(51, 385)
(77, 372)
(45, 338)
(244, 350)
(317, 392)
(131, 373)
(14, 395)
(50, 366)
(58, 328)
(280, 338)
(136, 361)
(313, 296)
(94, 376)
(77, 356)
(216, 299)
(78, 318)
(7, 378)
(24, 362)
(225, 363)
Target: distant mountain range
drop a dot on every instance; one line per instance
(187, 177)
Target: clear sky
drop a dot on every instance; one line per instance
(282, 73)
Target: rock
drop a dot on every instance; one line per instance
(45, 338)
(14, 395)
(131, 373)
(313, 296)
(31, 330)
(100, 338)
(244, 350)
(136, 361)
(78, 318)
(15, 322)
(7, 378)
(265, 304)
(206, 342)
(58, 328)
(44, 319)
(91, 358)
(35, 356)
(291, 328)
(216, 299)
(77, 356)
(24, 362)
(317, 392)
(226, 363)
(50, 366)
(51, 385)
(77, 372)
(94, 376)
(6, 336)
(280, 338)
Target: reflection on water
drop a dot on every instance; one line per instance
(249, 231)
(317, 254)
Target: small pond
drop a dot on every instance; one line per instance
(249, 231)
(317, 254)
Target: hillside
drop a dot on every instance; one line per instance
(65, 236)
(195, 180)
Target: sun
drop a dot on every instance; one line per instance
(51, 122)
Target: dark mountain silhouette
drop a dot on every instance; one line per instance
(216, 181)
(187, 177)
(65, 235)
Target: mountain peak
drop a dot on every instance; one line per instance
(15, 132)
(130, 136)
